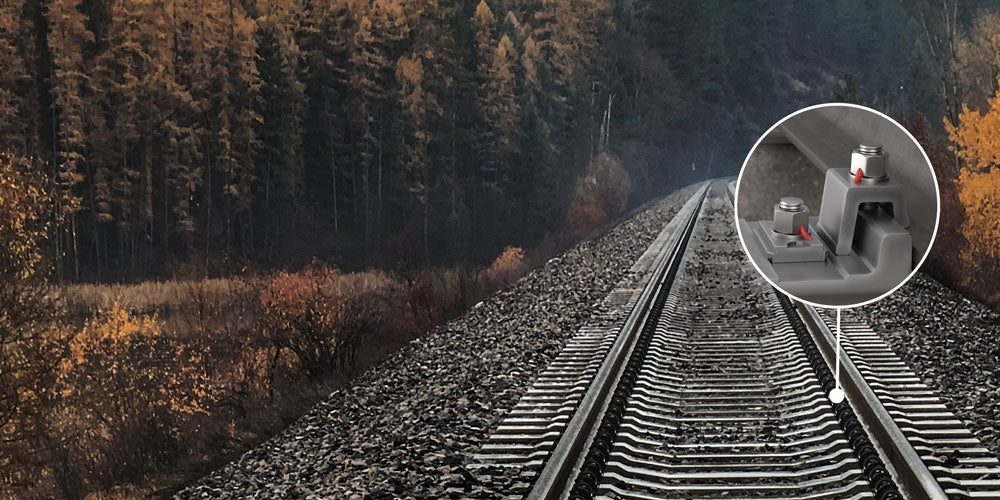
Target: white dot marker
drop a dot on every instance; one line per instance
(836, 396)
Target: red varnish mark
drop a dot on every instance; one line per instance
(857, 176)
(804, 233)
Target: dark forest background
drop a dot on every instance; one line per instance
(215, 212)
(194, 138)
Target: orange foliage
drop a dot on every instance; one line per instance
(976, 141)
(291, 293)
(977, 136)
(125, 389)
(29, 342)
(979, 193)
(115, 344)
(304, 313)
(24, 208)
(507, 267)
(26, 383)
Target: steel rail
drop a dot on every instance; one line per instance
(891, 466)
(556, 477)
(912, 474)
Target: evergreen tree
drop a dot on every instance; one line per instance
(216, 134)
(67, 39)
(379, 25)
(12, 132)
(279, 133)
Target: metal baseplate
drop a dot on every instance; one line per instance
(856, 249)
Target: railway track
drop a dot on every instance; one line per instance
(704, 382)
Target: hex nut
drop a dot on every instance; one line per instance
(870, 165)
(786, 222)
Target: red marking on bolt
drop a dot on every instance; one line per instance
(805, 234)
(857, 176)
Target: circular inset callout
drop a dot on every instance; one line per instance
(837, 205)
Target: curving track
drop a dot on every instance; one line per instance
(715, 387)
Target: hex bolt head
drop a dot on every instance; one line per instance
(789, 214)
(870, 158)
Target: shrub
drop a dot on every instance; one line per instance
(979, 192)
(418, 286)
(976, 142)
(303, 313)
(584, 215)
(602, 193)
(507, 267)
(611, 181)
(126, 393)
(29, 342)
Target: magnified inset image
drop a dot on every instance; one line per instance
(837, 205)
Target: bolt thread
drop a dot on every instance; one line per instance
(791, 204)
(870, 149)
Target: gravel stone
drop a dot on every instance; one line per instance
(407, 427)
(951, 343)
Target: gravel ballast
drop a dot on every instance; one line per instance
(408, 426)
(950, 342)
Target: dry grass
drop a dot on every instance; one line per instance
(261, 349)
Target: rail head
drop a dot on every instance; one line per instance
(911, 473)
(556, 477)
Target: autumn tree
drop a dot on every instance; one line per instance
(484, 23)
(567, 33)
(190, 128)
(205, 136)
(976, 142)
(324, 40)
(125, 391)
(304, 314)
(15, 129)
(133, 79)
(534, 174)
(281, 106)
(419, 107)
(941, 34)
(236, 81)
(68, 37)
(30, 344)
(380, 24)
(497, 105)
(181, 129)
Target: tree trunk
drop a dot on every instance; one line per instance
(147, 195)
(427, 253)
(355, 191)
(208, 215)
(93, 218)
(590, 109)
(454, 163)
(60, 228)
(378, 205)
(333, 178)
(76, 252)
(366, 205)
(166, 213)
